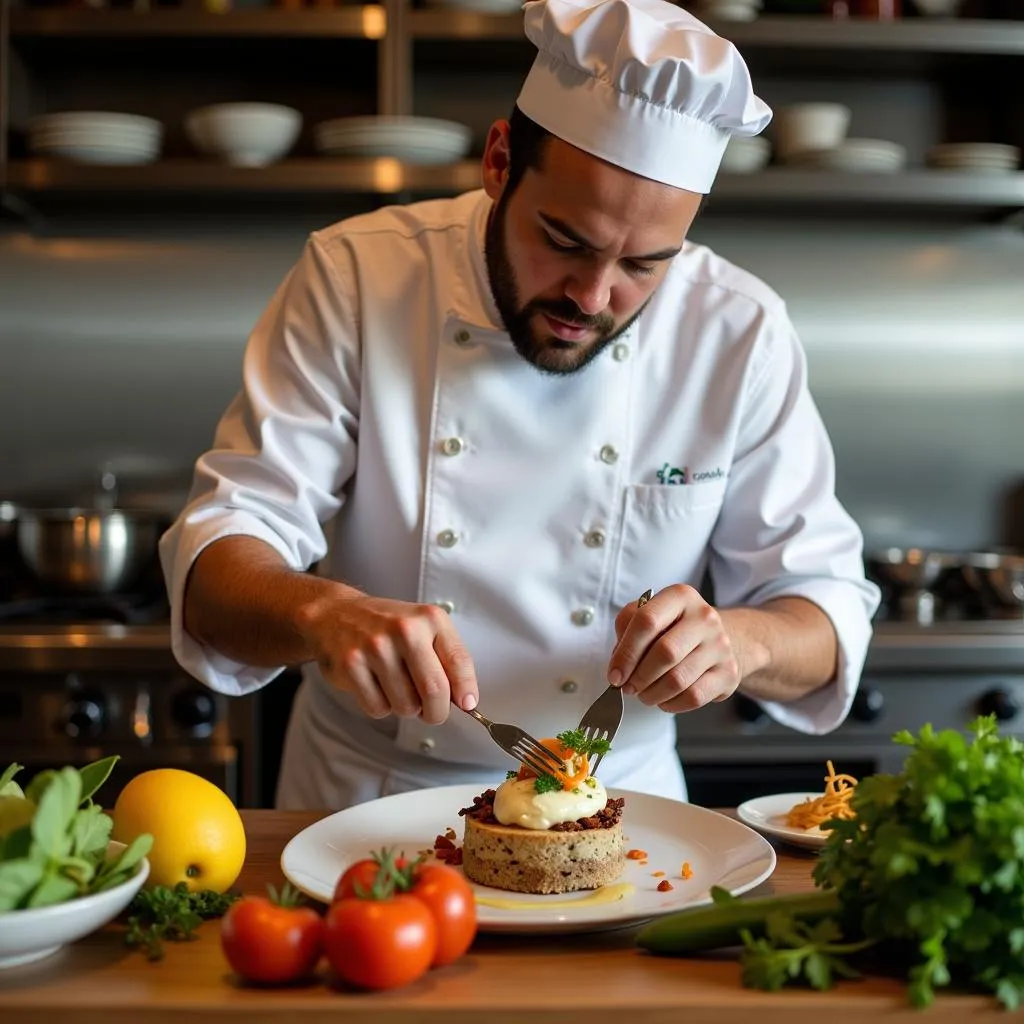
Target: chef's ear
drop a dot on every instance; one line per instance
(496, 160)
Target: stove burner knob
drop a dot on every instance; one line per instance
(194, 710)
(84, 714)
(749, 710)
(867, 705)
(1000, 703)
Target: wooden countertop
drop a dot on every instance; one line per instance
(602, 977)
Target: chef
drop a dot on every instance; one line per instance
(472, 432)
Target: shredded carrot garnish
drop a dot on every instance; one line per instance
(637, 855)
(658, 874)
(687, 871)
(665, 886)
(833, 803)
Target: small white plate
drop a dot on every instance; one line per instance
(720, 851)
(768, 815)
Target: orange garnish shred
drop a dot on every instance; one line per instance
(687, 871)
(637, 855)
(665, 886)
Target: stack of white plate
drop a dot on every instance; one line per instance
(856, 156)
(977, 157)
(413, 140)
(480, 6)
(96, 137)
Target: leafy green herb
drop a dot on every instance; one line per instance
(511, 775)
(576, 739)
(933, 863)
(793, 950)
(54, 839)
(546, 784)
(930, 872)
(174, 914)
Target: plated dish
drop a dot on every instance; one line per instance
(662, 841)
(801, 818)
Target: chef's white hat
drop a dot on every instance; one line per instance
(641, 84)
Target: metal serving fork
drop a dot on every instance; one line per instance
(602, 718)
(520, 745)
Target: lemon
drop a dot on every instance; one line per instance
(198, 836)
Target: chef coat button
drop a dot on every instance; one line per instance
(594, 539)
(446, 606)
(463, 337)
(609, 454)
(569, 686)
(620, 352)
(447, 538)
(427, 745)
(452, 445)
(583, 616)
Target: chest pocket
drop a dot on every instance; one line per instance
(664, 536)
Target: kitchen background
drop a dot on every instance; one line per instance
(135, 257)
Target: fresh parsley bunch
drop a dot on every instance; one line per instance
(53, 838)
(933, 863)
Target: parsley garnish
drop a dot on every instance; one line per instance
(511, 775)
(162, 913)
(574, 739)
(546, 784)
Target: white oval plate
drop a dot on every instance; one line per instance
(720, 851)
(768, 815)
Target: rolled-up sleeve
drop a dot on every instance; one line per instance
(783, 531)
(283, 450)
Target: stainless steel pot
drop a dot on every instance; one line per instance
(88, 551)
(997, 576)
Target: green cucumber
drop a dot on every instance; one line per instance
(718, 925)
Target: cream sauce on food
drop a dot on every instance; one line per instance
(517, 802)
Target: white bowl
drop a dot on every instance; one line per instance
(28, 935)
(745, 155)
(938, 8)
(806, 126)
(244, 134)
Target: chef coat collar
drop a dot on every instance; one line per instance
(474, 300)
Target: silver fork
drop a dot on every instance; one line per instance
(520, 745)
(602, 718)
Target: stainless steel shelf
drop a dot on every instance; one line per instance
(772, 188)
(367, 21)
(917, 35)
(316, 176)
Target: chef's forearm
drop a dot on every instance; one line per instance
(242, 600)
(785, 649)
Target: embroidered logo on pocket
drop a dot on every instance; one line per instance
(675, 476)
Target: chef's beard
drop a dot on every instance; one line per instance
(546, 352)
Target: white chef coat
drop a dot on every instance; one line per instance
(387, 429)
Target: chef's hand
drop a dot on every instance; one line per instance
(673, 652)
(395, 658)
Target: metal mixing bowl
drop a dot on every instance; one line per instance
(997, 576)
(88, 551)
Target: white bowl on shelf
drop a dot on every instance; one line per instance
(29, 935)
(746, 155)
(804, 127)
(413, 140)
(244, 134)
(727, 10)
(938, 8)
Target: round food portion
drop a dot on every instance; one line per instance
(517, 802)
(569, 856)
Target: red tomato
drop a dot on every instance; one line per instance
(449, 899)
(362, 874)
(380, 944)
(266, 942)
